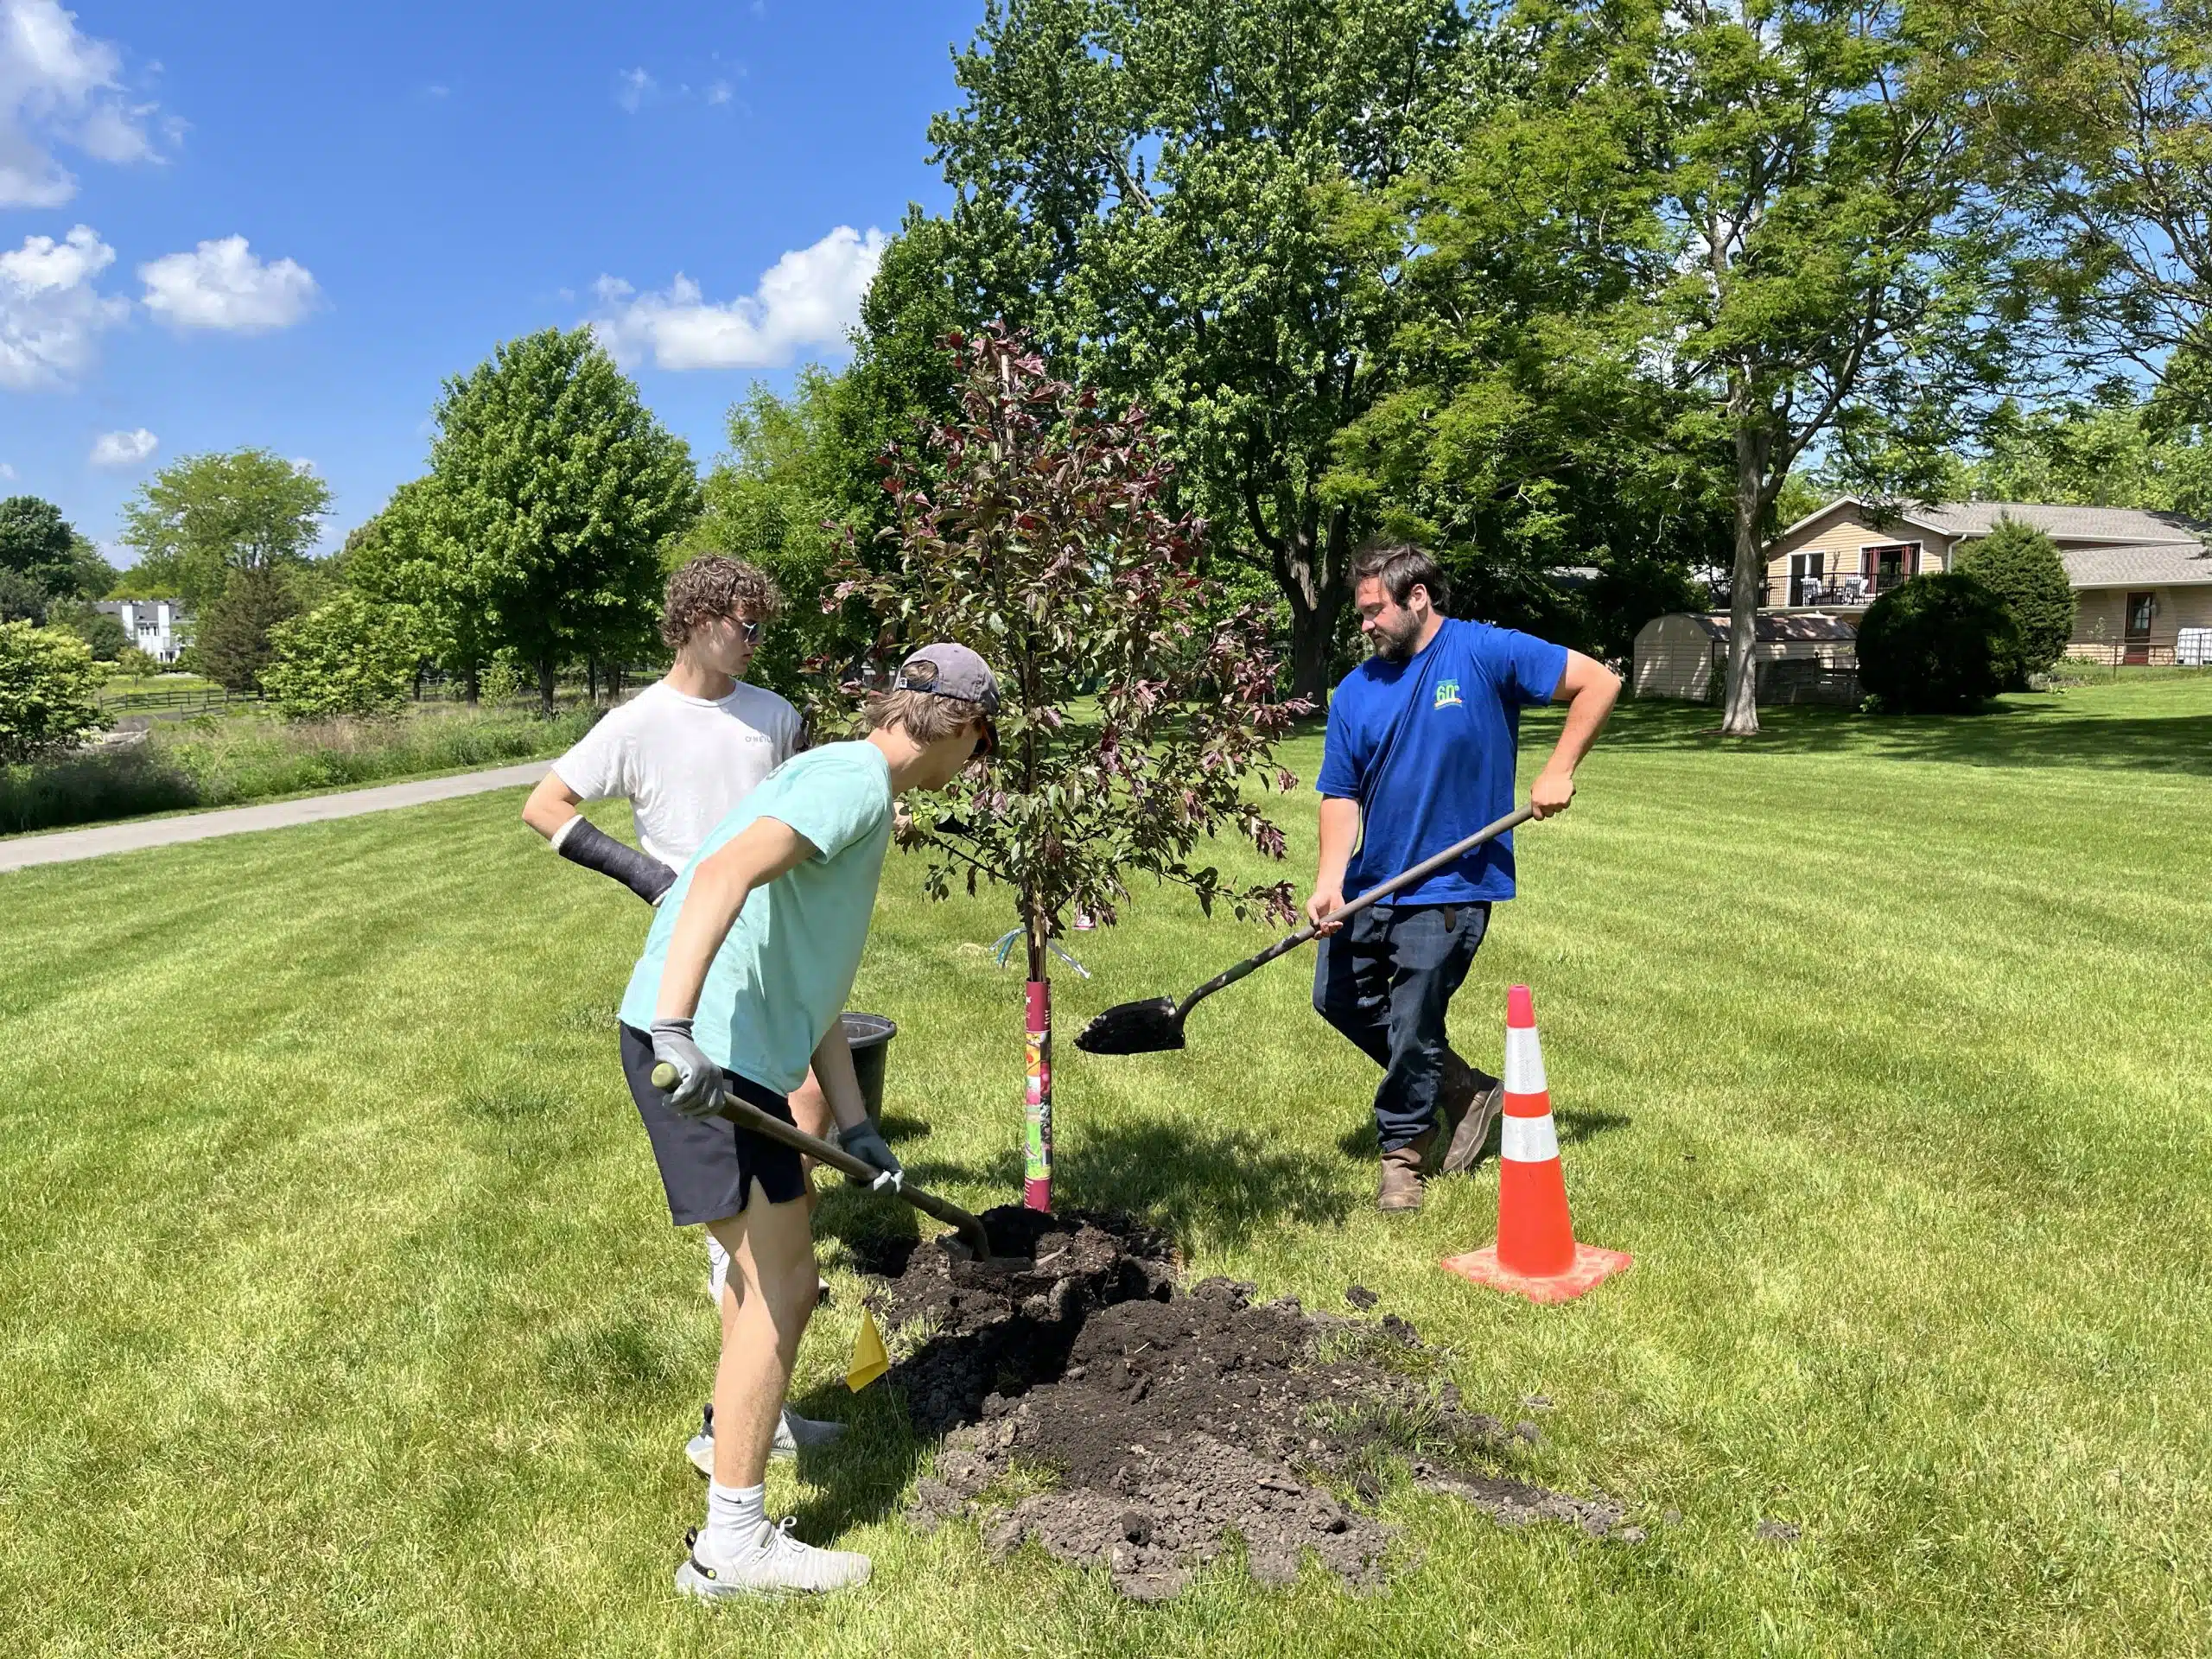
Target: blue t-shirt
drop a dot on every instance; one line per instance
(784, 973)
(1427, 748)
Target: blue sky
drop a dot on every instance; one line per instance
(230, 223)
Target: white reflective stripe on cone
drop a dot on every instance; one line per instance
(1528, 1140)
(1524, 1061)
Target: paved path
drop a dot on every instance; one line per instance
(71, 844)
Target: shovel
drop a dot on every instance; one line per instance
(746, 1115)
(1151, 1026)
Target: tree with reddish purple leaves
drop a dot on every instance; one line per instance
(1139, 719)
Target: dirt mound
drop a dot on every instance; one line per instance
(1167, 1420)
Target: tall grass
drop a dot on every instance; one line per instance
(219, 761)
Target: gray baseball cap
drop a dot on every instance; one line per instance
(949, 670)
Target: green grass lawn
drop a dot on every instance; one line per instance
(339, 1312)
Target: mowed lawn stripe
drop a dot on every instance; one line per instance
(337, 1300)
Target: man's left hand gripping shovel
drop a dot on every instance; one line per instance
(1149, 1027)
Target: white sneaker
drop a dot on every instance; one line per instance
(774, 1564)
(794, 1432)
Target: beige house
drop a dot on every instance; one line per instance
(2142, 580)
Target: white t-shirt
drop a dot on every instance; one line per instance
(685, 762)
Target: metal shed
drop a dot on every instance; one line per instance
(1801, 657)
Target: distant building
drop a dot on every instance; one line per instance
(157, 626)
(2142, 580)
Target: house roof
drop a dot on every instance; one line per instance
(2140, 564)
(1776, 627)
(2122, 524)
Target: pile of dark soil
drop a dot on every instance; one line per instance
(1168, 1420)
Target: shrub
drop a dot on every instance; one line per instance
(1941, 644)
(49, 691)
(135, 663)
(2021, 566)
(348, 657)
(97, 629)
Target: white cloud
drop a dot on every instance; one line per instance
(720, 93)
(810, 297)
(633, 89)
(51, 316)
(221, 285)
(6, 471)
(57, 86)
(120, 450)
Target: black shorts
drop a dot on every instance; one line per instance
(708, 1165)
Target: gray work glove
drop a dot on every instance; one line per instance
(698, 1091)
(866, 1142)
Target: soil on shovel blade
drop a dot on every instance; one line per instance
(1168, 1420)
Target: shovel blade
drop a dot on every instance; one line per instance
(1147, 1027)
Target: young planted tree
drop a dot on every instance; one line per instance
(1137, 717)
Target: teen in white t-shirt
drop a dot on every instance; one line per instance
(685, 751)
(685, 760)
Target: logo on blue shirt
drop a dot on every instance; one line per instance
(1448, 694)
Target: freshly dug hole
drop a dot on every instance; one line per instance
(1170, 1419)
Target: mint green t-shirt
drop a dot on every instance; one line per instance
(784, 973)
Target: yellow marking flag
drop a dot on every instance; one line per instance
(869, 1361)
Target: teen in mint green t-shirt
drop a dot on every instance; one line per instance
(743, 977)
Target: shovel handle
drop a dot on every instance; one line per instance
(746, 1115)
(1376, 894)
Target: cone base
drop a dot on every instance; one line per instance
(1592, 1267)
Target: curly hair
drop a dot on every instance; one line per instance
(1401, 567)
(714, 585)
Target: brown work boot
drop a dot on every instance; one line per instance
(1469, 1103)
(1401, 1168)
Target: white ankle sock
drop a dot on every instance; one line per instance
(733, 1515)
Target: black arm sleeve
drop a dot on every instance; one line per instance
(592, 848)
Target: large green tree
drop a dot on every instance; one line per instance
(395, 559)
(1533, 431)
(1836, 262)
(39, 544)
(201, 518)
(2100, 111)
(2112, 452)
(552, 491)
(1158, 190)
(781, 498)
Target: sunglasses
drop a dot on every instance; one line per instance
(988, 744)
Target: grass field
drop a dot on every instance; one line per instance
(339, 1312)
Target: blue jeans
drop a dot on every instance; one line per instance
(1385, 980)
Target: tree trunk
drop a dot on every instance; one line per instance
(591, 679)
(472, 680)
(546, 685)
(1037, 1007)
(1313, 568)
(1739, 714)
(1312, 647)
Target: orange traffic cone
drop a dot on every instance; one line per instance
(1535, 1254)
